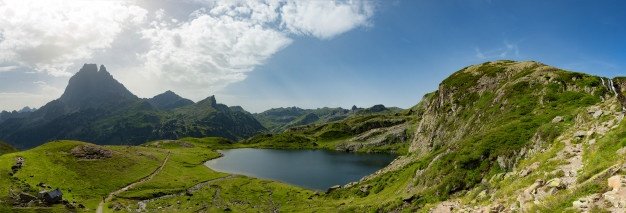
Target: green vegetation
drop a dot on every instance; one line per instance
(81, 180)
(184, 169)
(381, 132)
(6, 148)
(278, 120)
(488, 134)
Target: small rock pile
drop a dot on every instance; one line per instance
(614, 200)
(19, 162)
(91, 152)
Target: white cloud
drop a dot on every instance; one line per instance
(221, 43)
(325, 19)
(197, 55)
(8, 68)
(49, 36)
(207, 53)
(18, 100)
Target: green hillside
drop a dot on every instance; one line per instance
(500, 136)
(6, 148)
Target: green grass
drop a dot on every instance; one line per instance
(184, 169)
(603, 154)
(84, 181)
(6, 148)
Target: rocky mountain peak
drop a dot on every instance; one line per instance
(102, 68)
(209, 101)
(92, 88)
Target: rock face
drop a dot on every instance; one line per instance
(93, 88)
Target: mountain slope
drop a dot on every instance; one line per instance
(169, 100)
(486, 121)
(519, 131)
(6, 148)
(95, 107)
(280, 119)
(500, 136)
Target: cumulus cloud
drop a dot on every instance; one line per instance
(49, 36)
(220, 43)
(208, 51)
(217, 44)
(325, 19)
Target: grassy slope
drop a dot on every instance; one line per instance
(184, 169)
(333, 134)
(450, 170)
(6, 148)
(84, 181)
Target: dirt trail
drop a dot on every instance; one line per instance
(573, 154)
(142, 204)
(129, 186)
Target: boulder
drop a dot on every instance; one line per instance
(616, 198)
(557, 119)
(617, 182)
(592, 142)
(556, 183)
(580, 134)
(581, 205)
(333, 188)
(597, 114)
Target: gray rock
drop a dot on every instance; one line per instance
(597, 114)
(333, 188)
(581, 205)
(580, 134)
(557, 119)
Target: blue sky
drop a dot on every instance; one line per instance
(413, 45)
(386, 52)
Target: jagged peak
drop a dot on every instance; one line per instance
(90, 88)
(209, 100)
(89, 68)
(102, 68)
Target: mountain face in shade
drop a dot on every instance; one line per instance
(97, 108)
(280, 119)
(93, 88)
(169, 100)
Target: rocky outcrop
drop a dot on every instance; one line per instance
(91, 152)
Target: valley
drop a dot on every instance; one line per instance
(502, 136)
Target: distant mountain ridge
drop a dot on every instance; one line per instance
(279, 119)
(95, 107)
(169, 100)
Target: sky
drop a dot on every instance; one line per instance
(262, 54)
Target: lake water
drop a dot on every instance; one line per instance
(313, 169)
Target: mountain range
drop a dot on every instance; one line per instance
(95, 107)
(502, 136)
